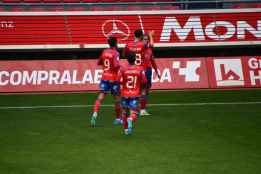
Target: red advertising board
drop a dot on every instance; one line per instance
(175, 73)
(229, 72)
(81, 75)
(90, 29)
(181, 73)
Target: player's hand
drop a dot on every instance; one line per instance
(158, 76)
(151, 33)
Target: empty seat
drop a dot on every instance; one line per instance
(133, 8)
(72, 1)
(2, 9)
(247, 5)
(11, 1)
(89, 1)
(32, 1)
(169, 7)
(97, 8)
(17, 9)
(77, 8)
(52, 1)
(37, 9)
(152, 7)
(56, 9)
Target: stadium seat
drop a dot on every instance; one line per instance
(52, 1)
(89, 1)
(32, 1)
(133, 8)
(169, 7)
(77, 8)
(114, 8)
(56, 9)
(17, 9)
(152, 7)
(37, 9)
(246, 5)
(2, 9)
(71, 1)
(11, 1)
(97, 8)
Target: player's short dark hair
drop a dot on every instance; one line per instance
(131, 57)
(112, 41)
(138, 33)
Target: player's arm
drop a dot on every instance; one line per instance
(125, 51)
(119, 75)
(116, 62)
(143, 78)
(154, 66)
(100, 62)
(151, 35)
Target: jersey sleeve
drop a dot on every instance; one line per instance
(119, 75)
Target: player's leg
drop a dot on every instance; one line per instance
(116, 94)
(124, 103)
(133, 105)
(96, 107)
(144, 95)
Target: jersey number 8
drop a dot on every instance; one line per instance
(138, 59)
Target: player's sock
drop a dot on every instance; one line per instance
(93, 119)
(133, 116)
(125, 123)
(96, 106)
(118, 110)
(143, 102)
(130, 121)
(118, 119)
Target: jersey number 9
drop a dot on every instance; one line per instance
(106, 64)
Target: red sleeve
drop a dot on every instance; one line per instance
(119, 75)
(116, 59)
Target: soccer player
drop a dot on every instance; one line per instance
(149, 63)
(109, 60)
(137, 46)
(131, 79)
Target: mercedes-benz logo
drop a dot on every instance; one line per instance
(116, 28)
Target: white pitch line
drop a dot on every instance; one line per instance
(111, 105)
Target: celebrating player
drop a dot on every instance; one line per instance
(149, 62)
(131, 79)
(137, 46)
(109, 60)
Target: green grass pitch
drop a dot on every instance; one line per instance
(207, 139)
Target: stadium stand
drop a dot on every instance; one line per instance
(32, 1)
(69, 31)
(247, 5)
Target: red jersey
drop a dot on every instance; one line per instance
(109, 60)
(131, 80)
(138, 47)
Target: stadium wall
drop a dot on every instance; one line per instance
(89, 30)
(176, 73)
